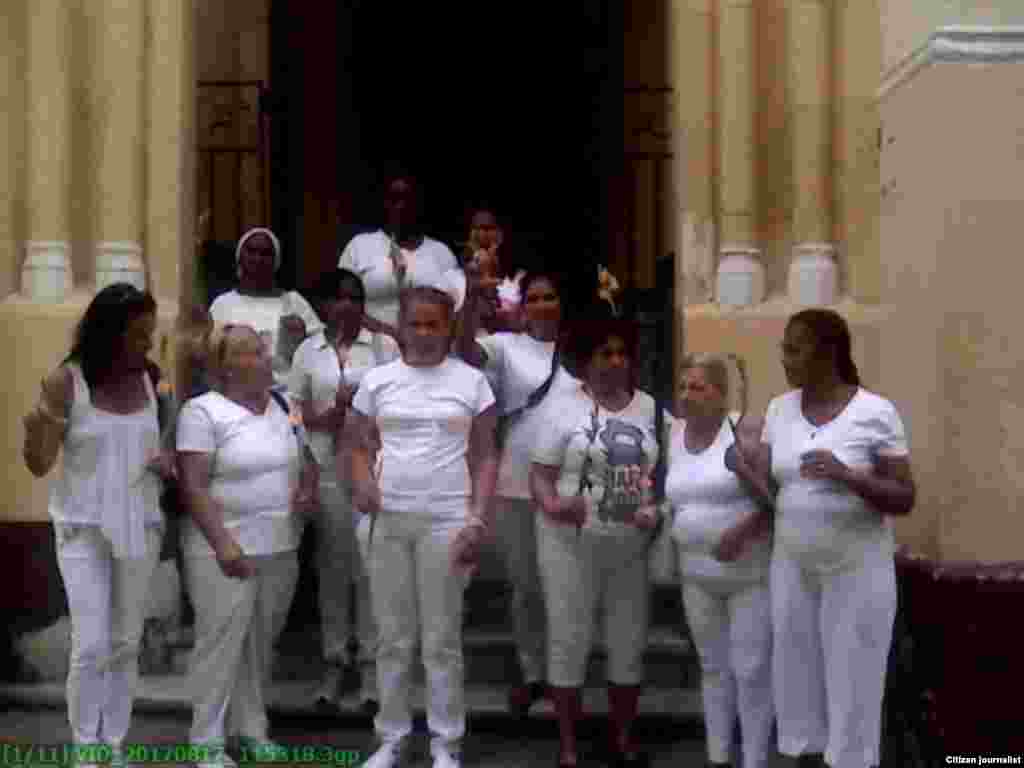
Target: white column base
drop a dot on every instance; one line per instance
(813, 275)
(119, 261)
(740, 281)
(46, 273)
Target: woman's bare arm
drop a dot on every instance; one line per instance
(544, 488)
(483, 462)
(47, 423)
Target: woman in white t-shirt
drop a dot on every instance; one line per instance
(839, 456)
(282, 318)
(326, 372)
(427, 505)
(248, 482)
(727, 604)
(524, 371)
(98, 411)
(397, 256)
(591, 478)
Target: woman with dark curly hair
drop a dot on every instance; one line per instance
(591, 478)
(100, 407)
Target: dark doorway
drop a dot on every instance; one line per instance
(516, 104)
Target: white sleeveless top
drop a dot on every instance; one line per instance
(708, 499)
(104, 480)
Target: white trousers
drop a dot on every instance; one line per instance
(732, 629)
(831, 635)
(343, 576)
(417, 600)
(237, 622)
(106, 598)
(515, 536)
(587, 577)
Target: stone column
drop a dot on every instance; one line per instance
(812, 273)
(739, 257)
(46, 272)
(120, 79)
(170, 156)
(691, 29)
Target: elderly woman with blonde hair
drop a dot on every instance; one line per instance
(247, 480)
(723, 563)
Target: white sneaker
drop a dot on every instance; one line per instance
(446, 756)
(388, 755)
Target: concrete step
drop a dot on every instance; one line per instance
(490, 659)
(170, 694)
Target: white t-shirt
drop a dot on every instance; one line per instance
(264, 313)
(368, 255)
(612, 451)
(424, 416)
(517, 364)
(255, 471)
(707, 500)
(822, 523)
(316, 375)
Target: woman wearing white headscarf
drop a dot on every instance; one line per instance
(282, 318)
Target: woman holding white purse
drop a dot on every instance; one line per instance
(727, 603)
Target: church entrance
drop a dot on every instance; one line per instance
(501, 104)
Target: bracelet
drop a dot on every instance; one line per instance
(476, 522)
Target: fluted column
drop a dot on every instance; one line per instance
(691, 70)
(119, 82)
(809, 31)
(740, 271)
(170, 156)
(46, 272)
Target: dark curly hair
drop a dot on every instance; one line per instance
(590, 329)
(99, 334)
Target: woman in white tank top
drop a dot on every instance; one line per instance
(727, 604)
(100, 406)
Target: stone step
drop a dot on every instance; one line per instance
(169, 694)
(490, 659)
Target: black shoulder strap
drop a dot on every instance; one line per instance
(540, 392)
(281, 400)
(661, 466)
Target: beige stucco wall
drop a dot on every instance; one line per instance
(950, 226)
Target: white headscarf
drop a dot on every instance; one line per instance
(258, 231)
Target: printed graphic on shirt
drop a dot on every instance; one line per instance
(618, 461)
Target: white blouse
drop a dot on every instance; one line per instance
(368, 255)
(104, 480)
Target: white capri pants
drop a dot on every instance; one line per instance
(831, 634)
(342, 575)
(731, 626)
(237, 622)
(106, 598)
(580, 573)
(417, 600)
(515, 536)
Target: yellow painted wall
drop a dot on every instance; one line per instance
(950, 227)
(12, 142)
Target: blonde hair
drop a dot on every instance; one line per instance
(217, 346)
(715, 367)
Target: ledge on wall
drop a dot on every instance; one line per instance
(963, 44)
